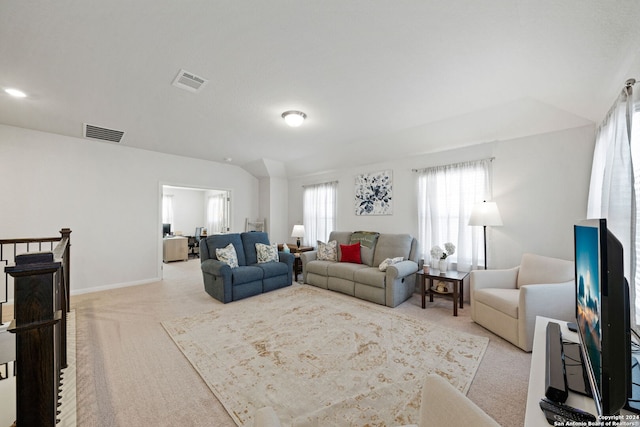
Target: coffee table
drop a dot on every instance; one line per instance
(455, 277)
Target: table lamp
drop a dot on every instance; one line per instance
(298, 232)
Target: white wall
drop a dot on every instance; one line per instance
(110, 197)
(189, 210)
(540, 184)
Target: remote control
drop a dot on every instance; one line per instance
(558, 412)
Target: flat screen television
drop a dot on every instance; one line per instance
(602, 314)
(166, 229)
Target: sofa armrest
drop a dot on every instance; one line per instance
(308, 256)
(215, 267)
(286, 258)
(505, 279)
(401, 269)
(554, 300)
(305, 257)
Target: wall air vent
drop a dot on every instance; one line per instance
(103, 134)
(189, 81)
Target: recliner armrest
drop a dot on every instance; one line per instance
(286, 258)
(215, 267)
(401, 269)
(308, 256)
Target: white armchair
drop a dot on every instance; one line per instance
(441, 405)
(506, 302)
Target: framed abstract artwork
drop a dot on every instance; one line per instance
(374, 193)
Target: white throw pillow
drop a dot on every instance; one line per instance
(328, 251)
(228, 255)
(267, 253)
(389, 261)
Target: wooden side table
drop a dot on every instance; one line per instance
(455, 277)
(297, 262)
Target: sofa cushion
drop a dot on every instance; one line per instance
(344, 270)
(503, 300)
(266, 253)
(370, 276)
(246, 274)
(249, 240)
(342, 237)
(350, 253)
(367, 240)
(391, 246)
(319, 267)
(222, 240)
(328, 251)
(228, 255)
(272, 269)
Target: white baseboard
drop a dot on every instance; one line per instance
(105, 287)
(113, 286)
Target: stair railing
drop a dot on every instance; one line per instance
(41, 302)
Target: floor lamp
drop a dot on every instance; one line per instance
(485, 213)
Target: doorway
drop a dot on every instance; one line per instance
(187, 211)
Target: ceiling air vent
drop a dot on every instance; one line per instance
(103, 134)
(189, 81)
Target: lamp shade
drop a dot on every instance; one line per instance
(485, 213)
(298, 231)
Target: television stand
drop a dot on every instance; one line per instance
(534, 417)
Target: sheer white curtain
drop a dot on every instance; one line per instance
(319, 212)
(446, 196)
(614, 186)
(167, 209)
(217, 214)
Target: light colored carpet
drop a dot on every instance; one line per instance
(130, 373)
(322, 358)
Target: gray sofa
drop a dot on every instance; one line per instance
(250, 278)
(365, 281)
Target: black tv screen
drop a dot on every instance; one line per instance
(602, 314)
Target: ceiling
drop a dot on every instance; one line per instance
(377, 79)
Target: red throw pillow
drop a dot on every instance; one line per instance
(350, 253)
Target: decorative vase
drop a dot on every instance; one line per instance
(443, 265)
(435, 263)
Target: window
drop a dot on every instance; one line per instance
(167, 209)
(319, 212)
(615, 177)
(218, 213)
(446, 196)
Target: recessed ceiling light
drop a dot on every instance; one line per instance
(294, 118)
(15, 92)
(228, 159)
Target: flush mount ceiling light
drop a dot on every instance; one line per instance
(16, 93)
(294, 118)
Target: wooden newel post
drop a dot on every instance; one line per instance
(64, 288)
(37, 327)
(66, 272)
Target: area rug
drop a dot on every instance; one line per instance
(320, 358)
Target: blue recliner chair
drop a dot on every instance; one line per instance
(250, 278)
